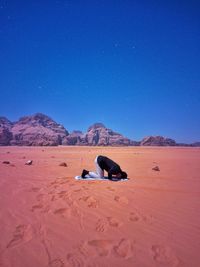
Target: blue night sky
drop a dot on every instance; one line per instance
(132, 65)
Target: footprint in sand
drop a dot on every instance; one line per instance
(40, 197)
(60, 211)
(102, 247)
(110, 188)
(22, 234)
(85, 188)
(74, 211)
(35, 189)
(39, 206)
(66, 196)
(63, 182)
(124, 249)
(58, 181)
(56, 263)
(78, 256)
(99, 248)
(148, 219)
(134, 217)
(103, 224)
(164, 256)
(91, 201)
(137, 216)
(114, 222)
(85, 253)
(62, 194)
(122, 200)
(77, 190)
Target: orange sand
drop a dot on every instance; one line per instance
(47, 218)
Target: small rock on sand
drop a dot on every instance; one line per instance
(63, 164)
(156, 168)
(29, 162)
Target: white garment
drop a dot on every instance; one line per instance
(99, 172)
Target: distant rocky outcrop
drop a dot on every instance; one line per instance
(157, 141)
(75, 138)
(37, 130)
(5, 131)
(98, 135)
(196, 144)
(41, 130)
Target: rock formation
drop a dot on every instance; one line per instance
(157, 141)
(99, 135)
(37, 130)
(196, 144)
(75, 138)
(5, 131)
(41, 130)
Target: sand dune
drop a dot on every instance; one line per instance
(50, 219)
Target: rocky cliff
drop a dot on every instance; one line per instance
(37, 130)
(75, 138)
(157, 141)
(41, 130)
(5, 131)
(99, 135)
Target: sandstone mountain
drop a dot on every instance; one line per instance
(97, 135)
(196, 144)
(157, 141)
(37, 130)
(41, 130)
(5, 131)
(75, 138)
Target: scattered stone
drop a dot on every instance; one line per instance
(156, 168)
(29, 162)
(63, 164)
(6, 162)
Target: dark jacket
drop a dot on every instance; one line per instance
(108, 165)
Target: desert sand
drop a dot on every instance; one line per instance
(48, 218)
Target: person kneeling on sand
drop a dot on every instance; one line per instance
(103, 163)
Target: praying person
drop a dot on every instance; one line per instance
(104, 163)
